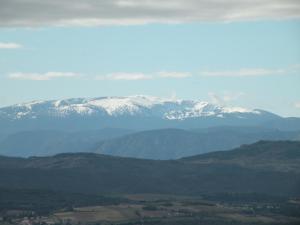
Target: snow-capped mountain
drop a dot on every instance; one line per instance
(121, 106)
(141, 112)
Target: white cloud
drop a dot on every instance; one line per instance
(243, 73)
(31, 13)
(42, 76)
(124, 76)
(178, 75)
(143, 76)
(9, 45)
(297, 105)
(224, 98)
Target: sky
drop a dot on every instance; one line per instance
(235, 53)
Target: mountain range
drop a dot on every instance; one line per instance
(133, 112)
(135, 126)
(177, 143)
(51, 142)
(150, 144)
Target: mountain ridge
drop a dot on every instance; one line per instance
(176, 109)
(176, 143)
(94, 173)
(169, 143)
(134, 113)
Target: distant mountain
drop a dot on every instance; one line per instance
(152, 144)
(2, 136)
(239, 171)
(144, 106)
(176, 143)
(133, 112)
(290, 123)
(155, 144)
(51, 142)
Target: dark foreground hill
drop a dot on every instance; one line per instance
(239, 170)
(263, 155)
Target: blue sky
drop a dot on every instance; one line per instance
(254, 64)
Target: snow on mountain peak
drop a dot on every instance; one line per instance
(137, 105)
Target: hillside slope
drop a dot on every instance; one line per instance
(153, 144)
(176, 143)
(93, 173)
(263, 155)
(51, 142)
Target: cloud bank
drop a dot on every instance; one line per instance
(224, 98)
(136, 76)
(42, 76)
(31, 13)
(9, 45)
(120, 76)
(124, 76)
(250, 72)
(297, 105)
(143, 76)
(178, 75)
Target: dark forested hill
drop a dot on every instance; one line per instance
(210, 173)
(264, 155)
